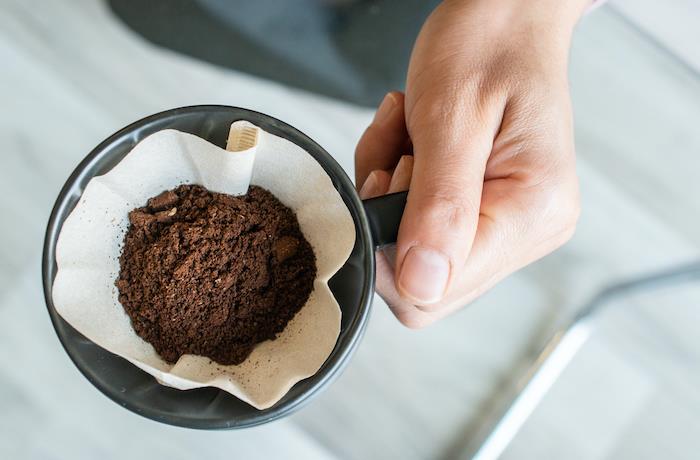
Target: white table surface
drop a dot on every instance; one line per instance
(71, 75)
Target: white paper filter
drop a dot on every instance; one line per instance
(90, 242)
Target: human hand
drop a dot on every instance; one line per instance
(492, 178)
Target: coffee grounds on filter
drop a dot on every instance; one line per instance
(212, 274)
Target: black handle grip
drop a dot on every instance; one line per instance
(384, 216)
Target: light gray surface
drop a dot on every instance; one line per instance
(631, 392)
(71, 75)
(672, 23)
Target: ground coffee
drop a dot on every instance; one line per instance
(212, 274)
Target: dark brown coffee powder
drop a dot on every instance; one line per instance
(212, 274)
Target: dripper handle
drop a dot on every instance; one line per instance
(384, 216)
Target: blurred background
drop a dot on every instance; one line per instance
(73, 72)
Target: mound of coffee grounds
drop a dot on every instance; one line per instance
(212, 274)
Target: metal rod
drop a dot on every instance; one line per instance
(526, 394)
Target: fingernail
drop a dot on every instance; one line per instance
(424, 275)
(385, 108)
(369, 188)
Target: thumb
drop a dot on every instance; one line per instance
(442, 210)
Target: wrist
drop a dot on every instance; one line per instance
(556, 16)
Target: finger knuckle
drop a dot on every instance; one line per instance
(449, 206)
(470, 96)
(570, 210)
(429, 307)
(370, 137)
(413, 319)
(562, 207)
